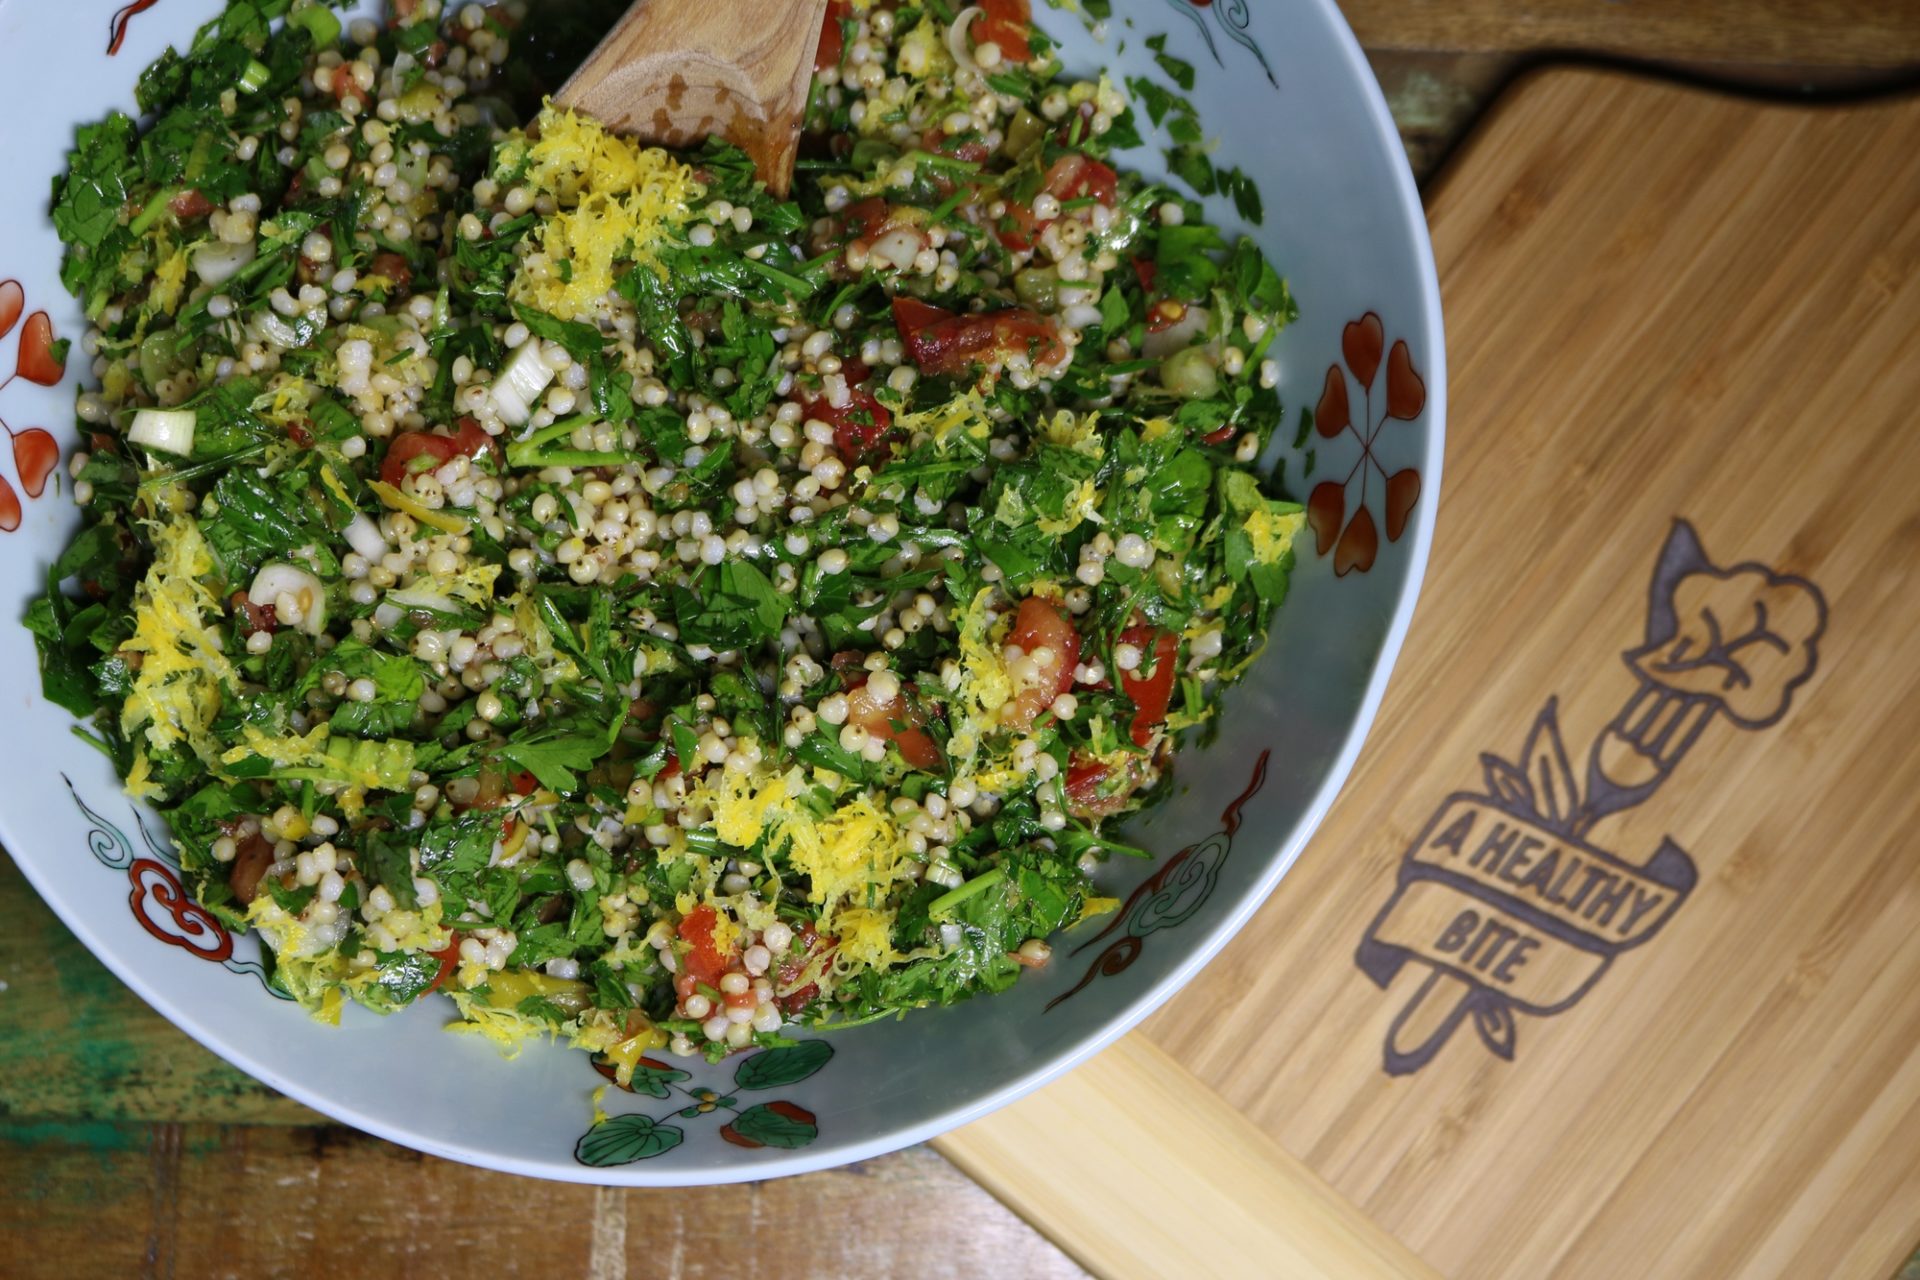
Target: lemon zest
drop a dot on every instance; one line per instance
(1082, 504)
(169, 280)
(1272, 534)
(176, 690)
(617, 199)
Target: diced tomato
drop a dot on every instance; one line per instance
(703, 961)
(1073, 176)
(1068, 178)
(1019, 228)
(1092, 791)
(971, 150)
(1150, 687)
(409, 446)
(865, 218)
(347, 89)
(1147, 271)
(523, 783)
(833, 37)
(190, 204)
(1083, 779)
(911, 316)
(259, 617)
(942, 342)
(859, 425)
(791, 966)
(1006, 23)
(918, 749)
(1041, 624)
(878, 718)
(471, 439)
(449, 957)
(394, 267)
(865, 222)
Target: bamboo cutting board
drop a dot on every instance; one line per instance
(1607, 962)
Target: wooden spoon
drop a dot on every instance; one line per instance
(675, 72)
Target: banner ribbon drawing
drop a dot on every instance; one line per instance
(1504, 897)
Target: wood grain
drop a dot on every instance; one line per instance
(678, 71)
(80, 1046)
(112, 1201)
(1225, 1200)
(1849, 33)
(1435, 98)
(1663, 304)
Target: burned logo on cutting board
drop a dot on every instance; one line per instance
(1507, 898)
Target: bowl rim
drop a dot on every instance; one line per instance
(1406, 197)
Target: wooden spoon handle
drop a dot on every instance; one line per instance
(677, 71)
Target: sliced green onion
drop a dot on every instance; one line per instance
(517, 390)
(319, 22)
(952, 898)
(364, 536)
(306, 594)
(151, 211)
(254, 78)
(216, 262)
(574, 458)
(422, 598)
(168, 430)
(929, 160)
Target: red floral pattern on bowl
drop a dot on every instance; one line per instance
(38, 358)
(1352, 535)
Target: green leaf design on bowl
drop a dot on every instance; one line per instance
(653, 1080)
(625, 1139)
(777, 1067)
(772, 1124)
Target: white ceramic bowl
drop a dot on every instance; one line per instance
(1286, 91)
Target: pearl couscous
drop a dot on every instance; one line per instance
(552, 571)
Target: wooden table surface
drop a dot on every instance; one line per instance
(126, 1149)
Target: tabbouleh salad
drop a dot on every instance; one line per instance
(526, 565)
